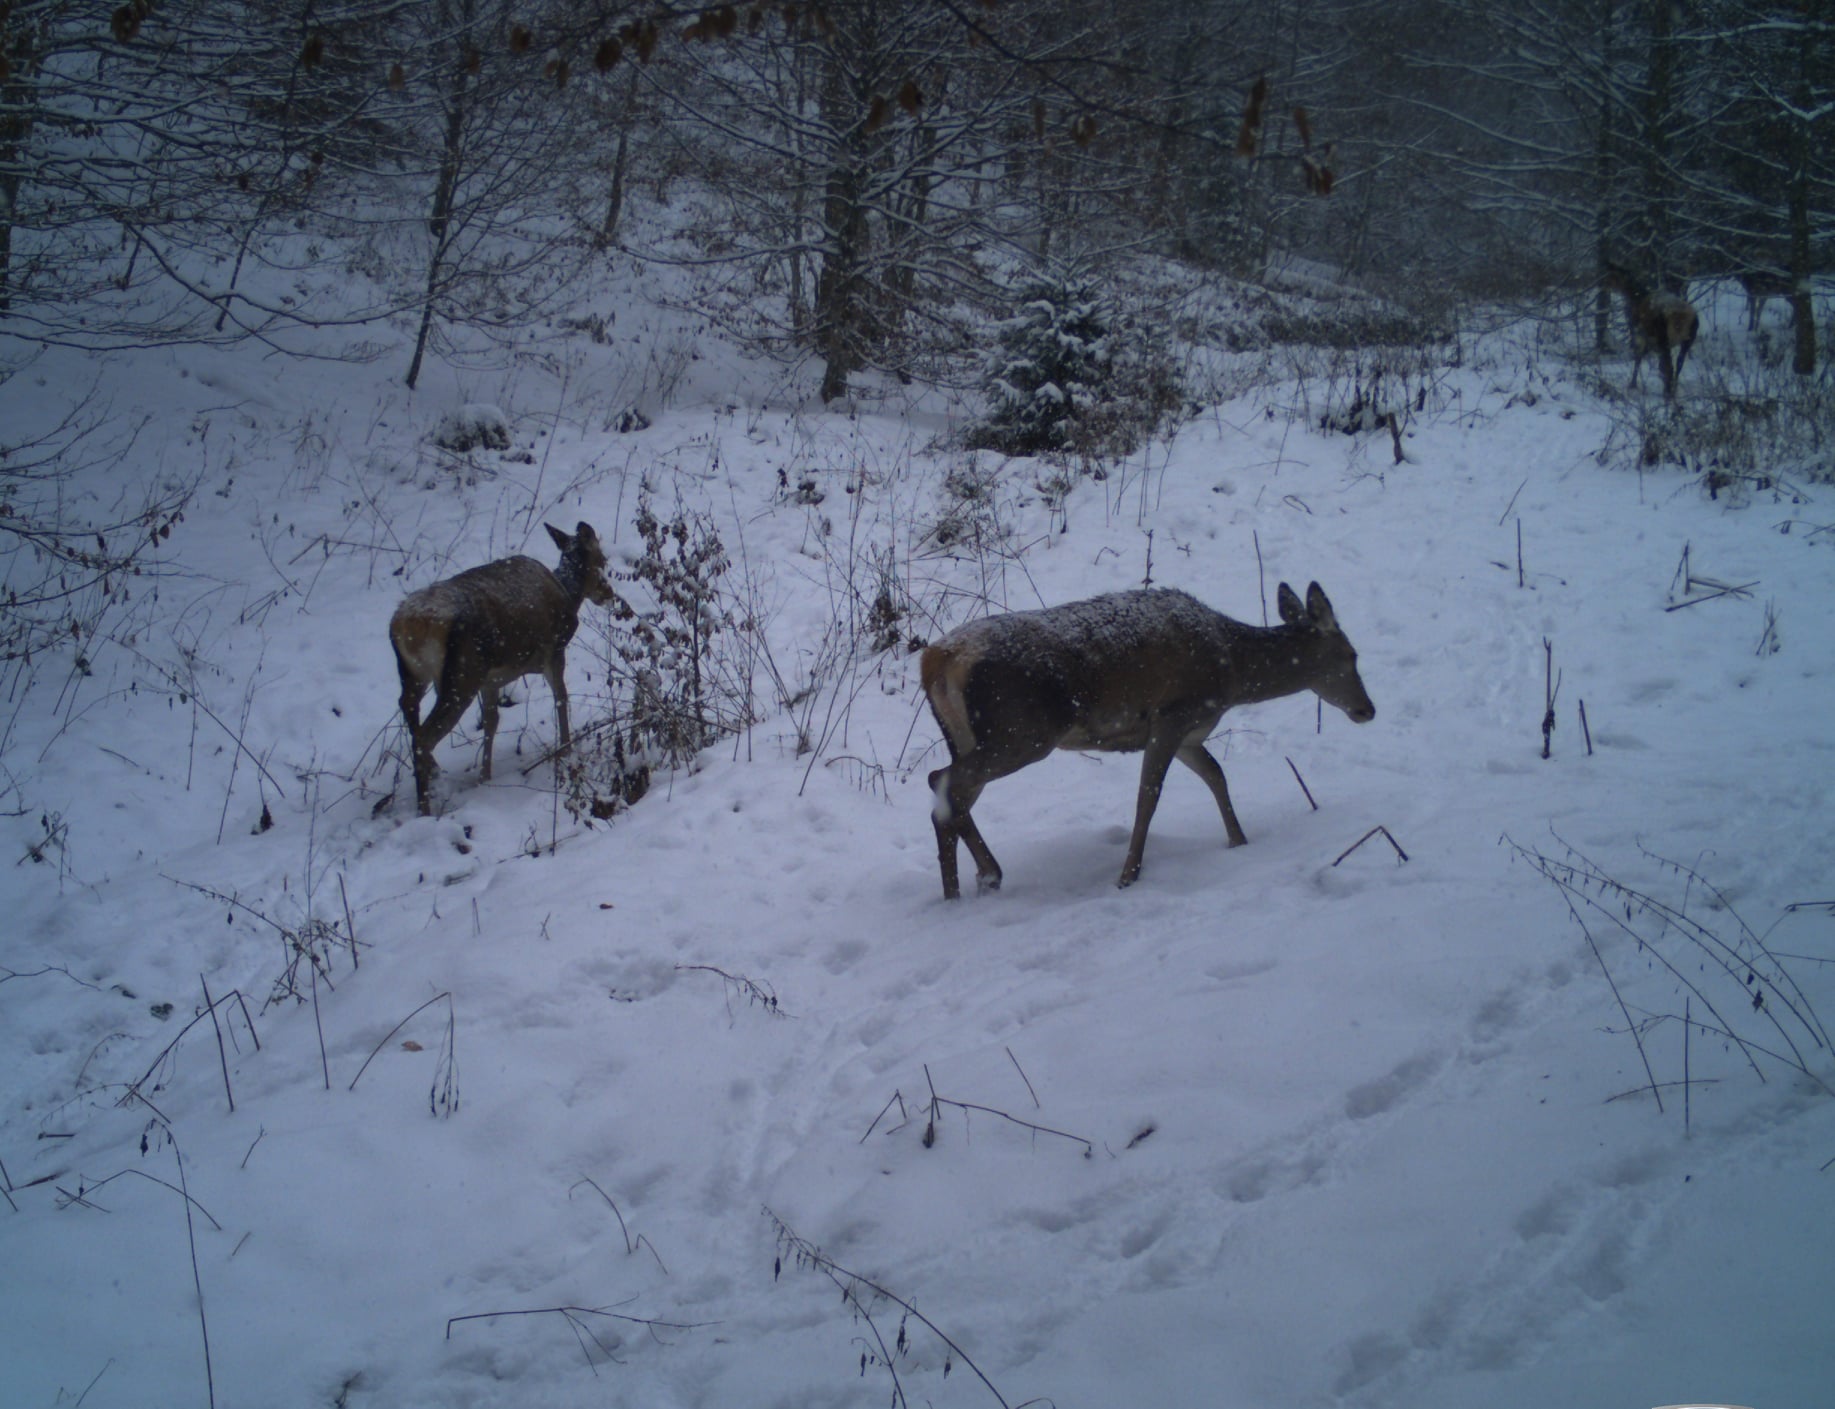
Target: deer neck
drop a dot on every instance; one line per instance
(1269, 662)
(572, 580)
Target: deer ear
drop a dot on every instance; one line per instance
(1319, 609)
(1287, 603)
(561, 540)
(584, 531)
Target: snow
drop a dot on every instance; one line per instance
(1350, 1135)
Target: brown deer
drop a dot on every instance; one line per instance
(470, 635)
(1761, 285)
(1662, 322)
(1147, 672)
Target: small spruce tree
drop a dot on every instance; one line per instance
(1049, 368)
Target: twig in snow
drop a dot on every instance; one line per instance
(81, 1197)
(1400, 854)
(133, 1090)
(582, 1330)
(938, 1102)
(1023, 1077)
(1302, 782)
(1551, 687)
(897, 1098)
(197, 1280)
(222, 1056)
(445, 1090)
(1723, 590)
(862, 1296)
(1512, 504)
(1744, 964)
(350, 925)
(755, 992)
(630, 1245)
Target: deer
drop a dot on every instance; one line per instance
(1149, 671)
(1660, 321)
(470, 635)
(1761, 285)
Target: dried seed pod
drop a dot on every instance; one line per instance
(607, 55)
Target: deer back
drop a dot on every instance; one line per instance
(1657, 317)
(490, 624)
(1669, 317)
(1101, 674)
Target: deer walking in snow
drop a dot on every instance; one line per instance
(1663, 323)
(1147, 672)
(470, 635)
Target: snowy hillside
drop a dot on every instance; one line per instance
(1296, 1124)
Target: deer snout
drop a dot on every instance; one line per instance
(1357, 707)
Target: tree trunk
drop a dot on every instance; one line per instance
(16, 109)
(839, 315)
(614, 205)
(439, 219)
(1803, 357)
(1656, 235)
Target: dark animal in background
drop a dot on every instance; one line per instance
(470, 635)
(1760, 285)
(1661, 322)
(1149, 672)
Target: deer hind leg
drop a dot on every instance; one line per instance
(413, 688)
(1198, 758)
(448, 709)
(1154, 762)
(949, 814)
(1682, 344)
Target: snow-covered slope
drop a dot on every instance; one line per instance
(1277, 1126)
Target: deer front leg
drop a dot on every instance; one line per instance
(488, 702)
(1198, 758)
(1154, 763)
(557, 682)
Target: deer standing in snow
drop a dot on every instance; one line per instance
(1661, 322)
(1149, 671)
(470, 635)
(1761, 285)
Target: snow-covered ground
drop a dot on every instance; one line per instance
(1277, 1126)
